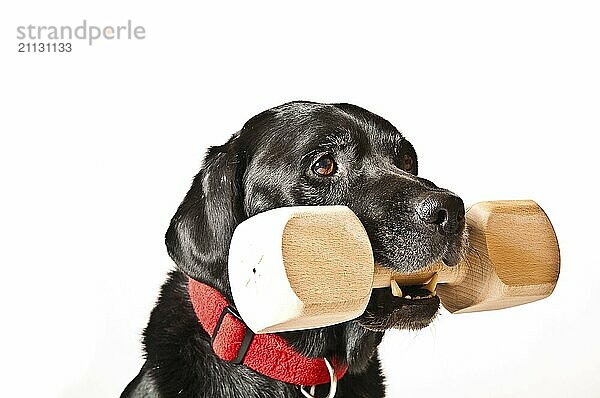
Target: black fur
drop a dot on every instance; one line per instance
(268, 164)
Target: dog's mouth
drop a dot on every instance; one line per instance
(423, 291)
(402, 306)
(414, 310)
(410, 303)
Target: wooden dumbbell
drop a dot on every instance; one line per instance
(304, 267)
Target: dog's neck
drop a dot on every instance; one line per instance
(268, 354)
(180, 354)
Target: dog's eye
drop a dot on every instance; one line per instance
(325, 166)
(407, 163)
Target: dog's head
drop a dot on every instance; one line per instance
(304, 153)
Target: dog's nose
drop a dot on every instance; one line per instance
(443, 209)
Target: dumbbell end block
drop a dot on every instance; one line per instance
(300, 267)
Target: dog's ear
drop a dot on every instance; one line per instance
(200, 232)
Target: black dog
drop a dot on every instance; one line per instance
(300, 153)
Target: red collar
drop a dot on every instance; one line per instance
(268, 354)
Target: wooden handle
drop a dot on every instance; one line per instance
(513, 258)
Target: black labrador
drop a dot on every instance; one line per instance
(299, 153)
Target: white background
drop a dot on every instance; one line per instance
(99, 146)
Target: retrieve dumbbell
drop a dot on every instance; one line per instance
(304, 267)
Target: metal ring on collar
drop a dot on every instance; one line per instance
(332, 384)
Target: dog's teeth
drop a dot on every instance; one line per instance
(407, 297)
(431, 285)
(396, 291)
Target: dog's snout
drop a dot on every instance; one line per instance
(444, 210)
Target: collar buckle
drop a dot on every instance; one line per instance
(248, 336)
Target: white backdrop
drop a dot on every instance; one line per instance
(99, 146)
